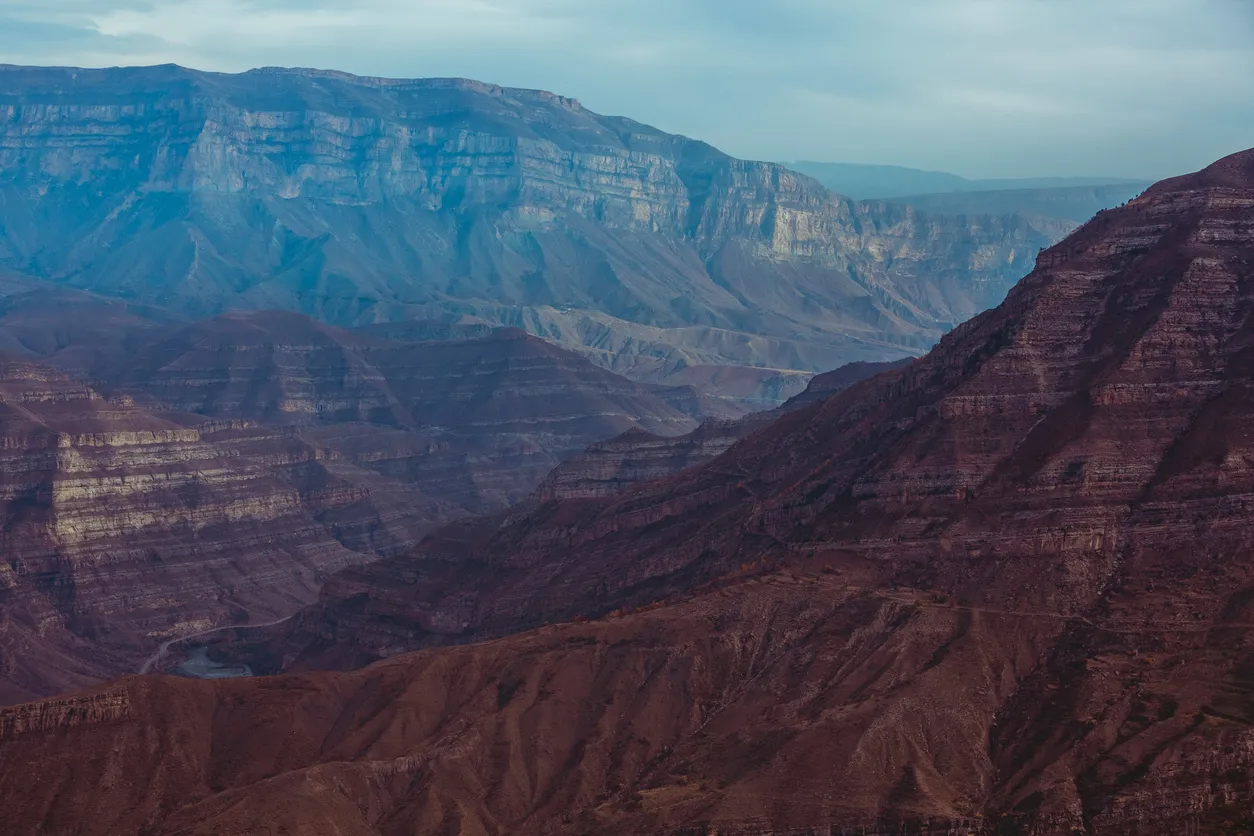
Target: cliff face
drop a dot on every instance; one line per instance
(475, 422)
(359, 200)
(123, 527)
(1005, 588)
(215, 473)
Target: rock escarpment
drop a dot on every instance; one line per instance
(359, 200)
(1003, 589)
(823, 386)
(123, 527)
(607, 468)
(216, 473)
(476, 422)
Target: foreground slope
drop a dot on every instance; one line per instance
(358, 200)
(1006, 588)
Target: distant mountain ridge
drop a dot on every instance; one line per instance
(881, 182)
(1066, 206)
(364, 200)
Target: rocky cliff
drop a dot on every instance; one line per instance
(477, 422)
(358, 200)
(1003, 589)
(215, 473)
(123, 527)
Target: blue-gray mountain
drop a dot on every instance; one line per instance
(885, 182)
(360, 200)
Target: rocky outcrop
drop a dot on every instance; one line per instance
(72, 712)
(361, 200)
(823, 386)
(606, 468)
(1009, 582)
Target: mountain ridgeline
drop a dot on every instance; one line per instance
(362, 200)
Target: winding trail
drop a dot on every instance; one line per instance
(155, 659)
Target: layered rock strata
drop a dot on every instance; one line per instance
(123, 527)
(232, 465)
(476, 422)
(360, 200)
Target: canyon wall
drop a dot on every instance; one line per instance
(217, 473)
(361, 200)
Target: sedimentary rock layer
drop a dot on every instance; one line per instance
(123, 527)
(476, 422)
(360, 200)
(232, 465)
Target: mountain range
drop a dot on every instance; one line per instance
(1004, 588)
(424, 456)
(364, 200)
(882, 182)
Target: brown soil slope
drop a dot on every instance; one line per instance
(1015, 595)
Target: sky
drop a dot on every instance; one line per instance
(982, 88)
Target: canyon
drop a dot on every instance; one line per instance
(608, 467)
(1004, 588)
(170, 477)
(364, 200)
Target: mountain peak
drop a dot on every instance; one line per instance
(1236, 171)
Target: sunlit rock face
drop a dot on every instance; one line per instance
(358, 200)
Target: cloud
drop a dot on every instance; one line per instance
(983, 87)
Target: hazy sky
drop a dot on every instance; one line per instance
(1137, 88)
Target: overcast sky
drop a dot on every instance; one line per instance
(1135, 88)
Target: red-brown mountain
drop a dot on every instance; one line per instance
(608, 467)
(478, 422)
(230, 465)
(823, 386)
(123, 527)
(73, 330)
(1004, 589)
